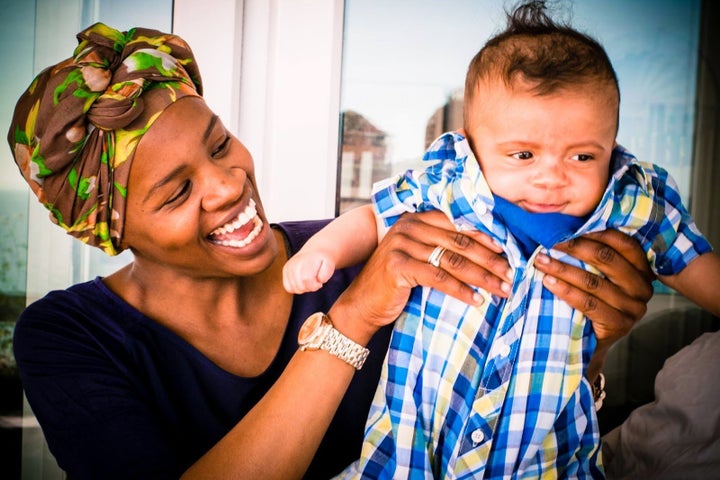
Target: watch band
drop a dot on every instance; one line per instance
(319, 333)
(345, 349)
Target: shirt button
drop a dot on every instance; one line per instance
(477, 436)
(504, 350)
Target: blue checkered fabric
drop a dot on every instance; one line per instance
(498, 391)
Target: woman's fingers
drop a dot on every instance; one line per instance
(470, 257)
(611, 312)
(618, 256)
(613, 303)
(379, 293)
(588, 292)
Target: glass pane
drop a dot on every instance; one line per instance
(404, 65)
(16, 58)
(33, 35)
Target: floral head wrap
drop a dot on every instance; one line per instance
(76, 127)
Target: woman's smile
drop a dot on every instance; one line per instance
(241, 230)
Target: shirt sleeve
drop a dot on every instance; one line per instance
(664, 226)
(430, 188)
(93, 418)
(397, 195)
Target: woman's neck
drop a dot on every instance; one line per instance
(213, 313)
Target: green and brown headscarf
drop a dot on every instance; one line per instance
(76, 127)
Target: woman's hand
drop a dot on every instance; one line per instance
(381, 290)
(613, 304)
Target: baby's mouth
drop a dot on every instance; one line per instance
(240, 231)
(543, 207)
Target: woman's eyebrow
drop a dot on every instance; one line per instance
(213, 120)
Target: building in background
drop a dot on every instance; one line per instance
(446, 118)
(364, 149)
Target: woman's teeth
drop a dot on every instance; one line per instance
(245, 217)
(245, 241)
(241, 220)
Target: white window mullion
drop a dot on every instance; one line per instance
(290, 103)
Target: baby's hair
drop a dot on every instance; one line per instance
(546, 54)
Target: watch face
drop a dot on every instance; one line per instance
(310, 328)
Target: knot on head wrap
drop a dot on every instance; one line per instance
(76, 127)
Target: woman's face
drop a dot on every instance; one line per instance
(192, 201)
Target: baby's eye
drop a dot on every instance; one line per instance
(523, 155)
(582, 157)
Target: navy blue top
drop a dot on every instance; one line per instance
(120, 396)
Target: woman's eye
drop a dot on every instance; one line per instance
(523, 155)
(220, 149)
(582, 157)
(180, 193)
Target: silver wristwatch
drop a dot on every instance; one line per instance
(318, 333)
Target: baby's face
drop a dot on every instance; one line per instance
(545, 153)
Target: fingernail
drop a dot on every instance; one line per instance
(550, 280)
(509, 273)
(542, 258)
(478, 299)
(505, 287)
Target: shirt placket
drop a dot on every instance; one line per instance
(476, 440)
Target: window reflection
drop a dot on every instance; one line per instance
(363, 158)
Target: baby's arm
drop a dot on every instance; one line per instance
(699, 281)
(346, 241)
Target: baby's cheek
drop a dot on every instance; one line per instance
(588, 200)
(510, 186)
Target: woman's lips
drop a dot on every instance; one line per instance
(240, 231)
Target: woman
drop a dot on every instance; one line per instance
(185, 362)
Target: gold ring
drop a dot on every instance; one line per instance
(435, 256)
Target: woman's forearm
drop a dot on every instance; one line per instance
(280, 435)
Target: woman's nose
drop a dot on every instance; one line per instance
(222, 186)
